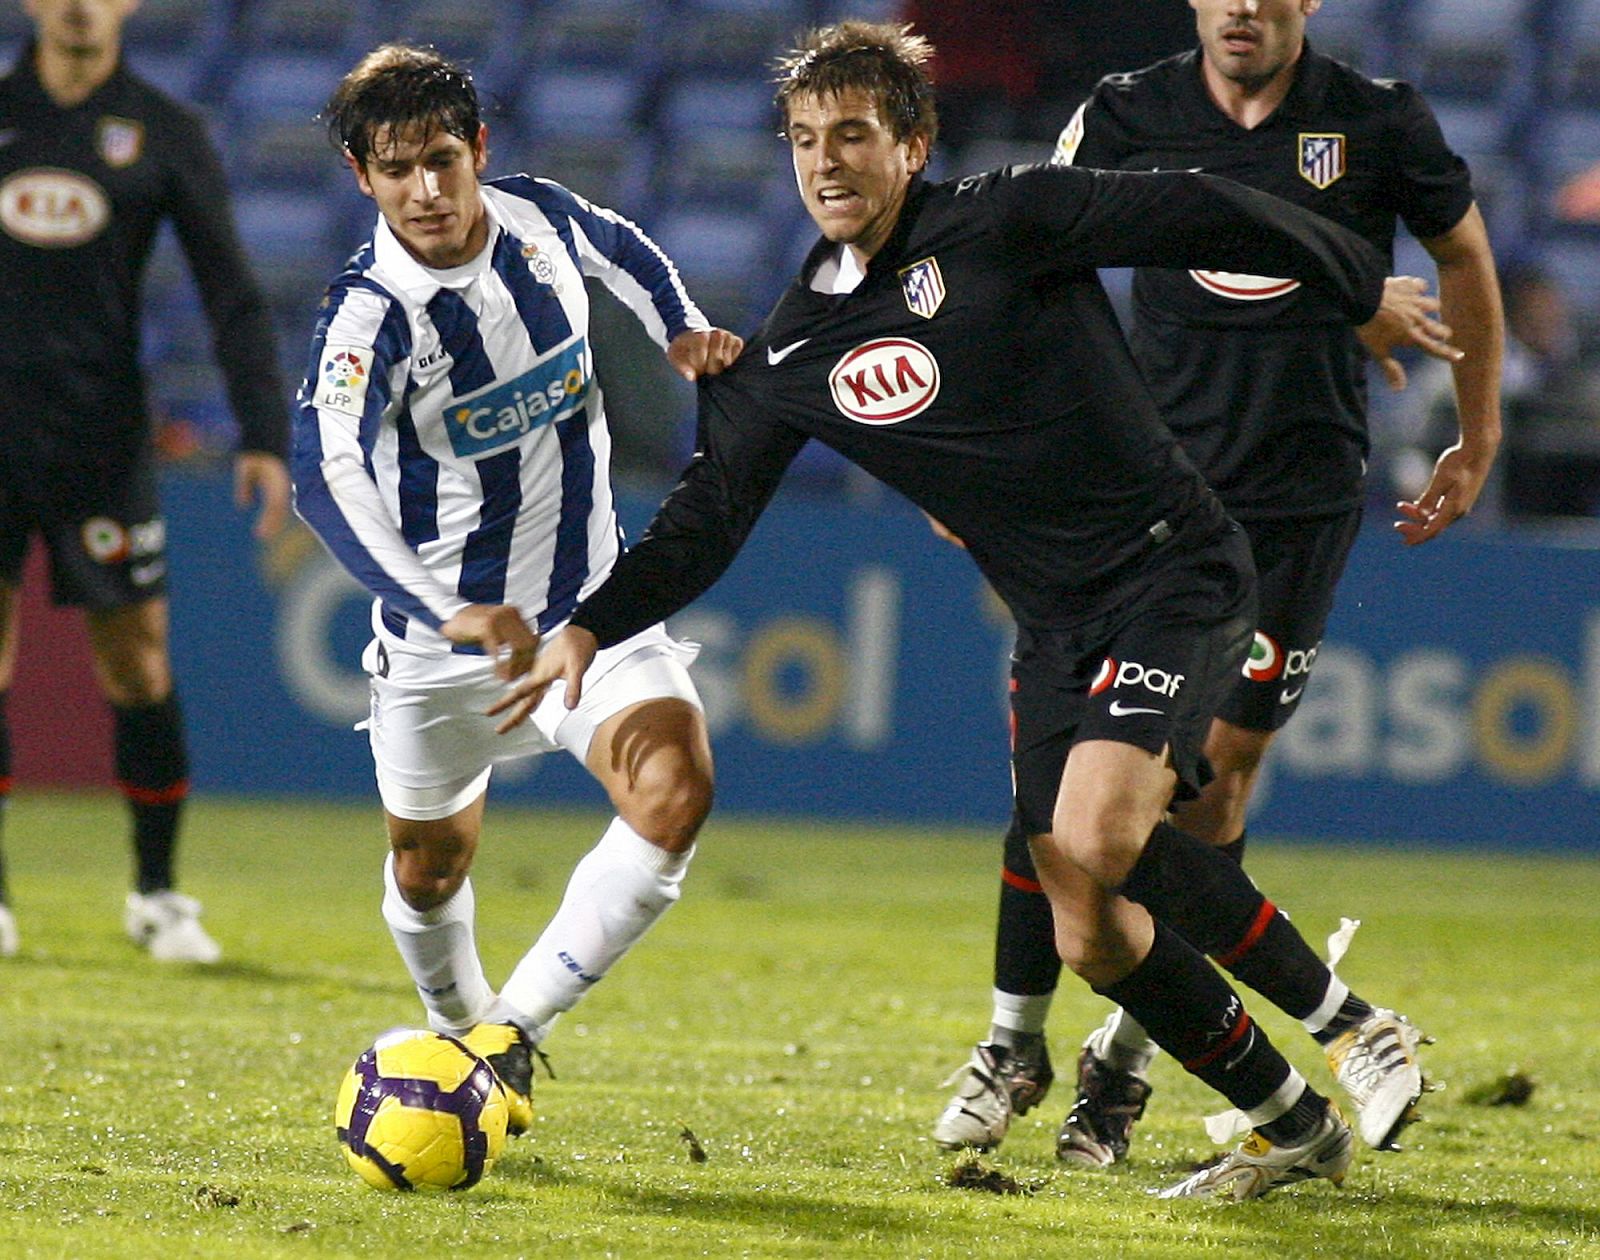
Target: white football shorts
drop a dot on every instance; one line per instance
(433, 746)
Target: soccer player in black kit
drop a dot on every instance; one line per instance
(953, 340)
(92, 159)
(1263, 382)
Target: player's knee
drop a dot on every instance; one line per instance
(668, 801)
(1103, 848)
(428, 875)
(1087, 955)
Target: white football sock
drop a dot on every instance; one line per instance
(441, 953)
(1122, 1044)
(618, 889)
(1018, 1013)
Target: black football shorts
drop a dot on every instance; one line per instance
(102, 529)
(1298, 566)
(1150, 673)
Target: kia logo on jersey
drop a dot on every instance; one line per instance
(885, 381)
(1241, 287)
(53, 208)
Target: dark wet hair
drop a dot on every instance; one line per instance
(882, 58)
(401, 87)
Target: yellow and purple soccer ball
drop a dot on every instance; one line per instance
(419, 1111)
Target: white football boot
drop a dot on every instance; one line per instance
(167, 924)
(1259, 1165)
(1375, 1064)
(996, 1084)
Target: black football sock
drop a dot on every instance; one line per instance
(1350, 1013)
(1198, 892)
(1195, 1016)
(1025, 958)
(5, 786)
(152, 769)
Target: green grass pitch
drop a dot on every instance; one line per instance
(796, 1013)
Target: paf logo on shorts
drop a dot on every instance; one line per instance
(1321, 157)
(885, 381)
(1102, 680)
(1239, 286)
(1133, 674)
(1265, 661)
(53, 208)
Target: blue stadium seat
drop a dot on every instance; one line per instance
(745, 169)
(291, 152)
(613, 34)
(328, 27)
(1344, 31)
(1472, 128)
(713, 245)
(695, 104)
(1571, 141)
(283, 85)
(596, 103)
(1574, 256)
(1466, 46)
(174, 25)
(467, 31)
(286, 226)
(732, 37)
(175, 72)
(614, 175)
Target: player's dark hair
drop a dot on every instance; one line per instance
(882, 58)
(401, 87)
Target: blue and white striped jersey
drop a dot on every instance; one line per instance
(450, 445)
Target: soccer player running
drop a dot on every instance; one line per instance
(451, 450)
(92, 160)
(1262, 380)
(953, 340)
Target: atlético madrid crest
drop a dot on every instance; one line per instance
(1321, 157)
(121, 140)
(924, 287)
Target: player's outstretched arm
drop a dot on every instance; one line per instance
(1407, 316)
(500, 631)
(698, 352)
(259, 477)
(565, 658)
(1469, 293)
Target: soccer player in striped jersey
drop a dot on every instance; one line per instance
(451, 450)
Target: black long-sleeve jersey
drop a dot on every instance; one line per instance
(82, 193)
(980, 370)
(1263, 380)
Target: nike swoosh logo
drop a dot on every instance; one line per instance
(1289, 697)
(1118, 709)
(775, 357)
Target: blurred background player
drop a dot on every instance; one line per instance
(92, 159)
(451, 450)
(1263, 382)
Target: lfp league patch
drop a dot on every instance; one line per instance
(342, 379)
